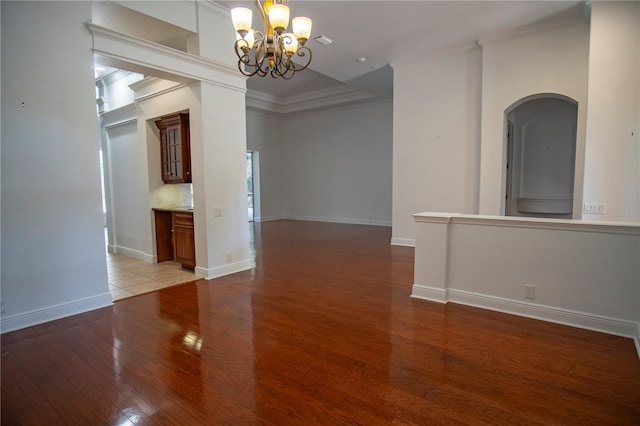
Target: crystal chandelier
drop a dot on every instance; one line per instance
(271, 51)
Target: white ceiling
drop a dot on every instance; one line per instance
(395, 30)
(381, 31)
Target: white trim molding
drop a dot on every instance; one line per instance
(530, 222)
(342, 95)
(615, 326)
(121, 123)
(220, 271)
(133, 253)
(40, 316)
(490, 261)
(117, 48)
(213, 8)
(407, 242)
(534, 28)
(425, 292)
(556, 315)
(351, 221)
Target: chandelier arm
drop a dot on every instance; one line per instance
(238, 47)
(243, 69)
(288, 73)
(302, 53)
(260, 57)
(245, 62)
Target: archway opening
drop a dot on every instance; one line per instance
(541, 153)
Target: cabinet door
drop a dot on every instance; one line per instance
(172, 161)
(175, 149)
(184, 240)
(164, 238)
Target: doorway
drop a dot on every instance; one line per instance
(250, 203)
(541, 151)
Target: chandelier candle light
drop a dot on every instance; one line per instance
(271, 51)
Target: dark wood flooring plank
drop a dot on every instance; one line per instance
(323, 331)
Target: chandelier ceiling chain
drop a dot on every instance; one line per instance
(271, 51)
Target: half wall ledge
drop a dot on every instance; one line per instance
(577, 273)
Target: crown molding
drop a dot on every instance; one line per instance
(446, 51)
(145, 83)
(307, 101)
(171, 62)
(114, 76)
(121, 123)
(118, 115)
(214, 8)
(530, 29)
(150, 87)
(159, 93)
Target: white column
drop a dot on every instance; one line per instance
(431, 256)
(220, 182)
(612, 155)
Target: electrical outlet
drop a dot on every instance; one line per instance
(217, 212)
(594, 208)
(529, 291)
(229, 257)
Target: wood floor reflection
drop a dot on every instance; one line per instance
(322, 331)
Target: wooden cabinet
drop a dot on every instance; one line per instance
(175, 237)
(184, 239)
(175, 148)
(164, 236)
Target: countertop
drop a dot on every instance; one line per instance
(174, 209)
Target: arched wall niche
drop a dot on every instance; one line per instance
(540, 137)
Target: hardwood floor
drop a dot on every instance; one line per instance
(322, 331)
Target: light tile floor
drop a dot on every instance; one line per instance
(131, 277)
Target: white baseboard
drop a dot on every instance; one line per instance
(51, 313)
(268, 218)
(220, 271)
(136, 254)
(615, 326)
(340, 220)
(425, 292)
(408, 242)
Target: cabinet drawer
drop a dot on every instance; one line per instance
(183, 219)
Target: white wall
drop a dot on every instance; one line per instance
(436, 137)
(178, 13)
(551, 60)
(337, 164)
(264, 135)
(129, 195)
(612, 159)
(53, 252)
